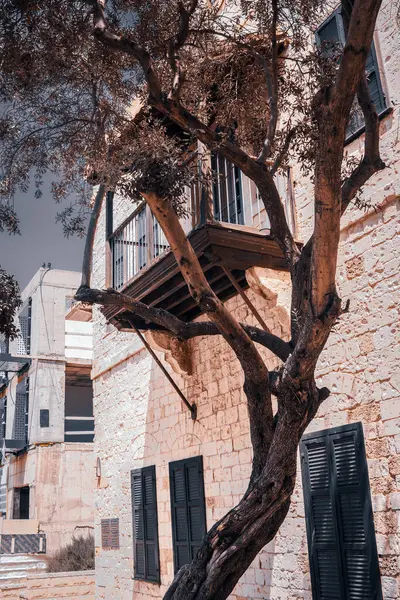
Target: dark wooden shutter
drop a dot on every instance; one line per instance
(188, 508)
(331, 32)
(145, 524)
(340, 528)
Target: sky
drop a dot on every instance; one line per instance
(41, 240)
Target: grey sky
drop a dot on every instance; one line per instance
(41, 240)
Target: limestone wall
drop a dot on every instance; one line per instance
(140, 420)
(50, 586)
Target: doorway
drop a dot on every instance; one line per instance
(21, 503)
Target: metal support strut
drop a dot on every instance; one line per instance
(245, 298)
(191, 407)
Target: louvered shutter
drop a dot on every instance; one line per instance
(340, 529)
(188, 509)
(332, 32)
(145, 524)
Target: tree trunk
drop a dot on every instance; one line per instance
(233, 542)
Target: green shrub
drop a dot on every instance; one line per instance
(76, 556)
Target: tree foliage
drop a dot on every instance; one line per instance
(133, 93)
(10, 301)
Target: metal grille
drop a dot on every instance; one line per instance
(5, 544)
(3, 350)
(138, 240)
(33, 543)
(110, 534)
(3, 498)
(129, 249)
(24, 324)
(227, 190)
(21, 414)
(3, 409)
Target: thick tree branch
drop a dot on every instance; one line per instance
(91, 232)
(256, 383)
(371, 162)
(332, 109)
(161, 320)
(283, 150)
(125, 45)
(358, 43)
(255, 171)
(177, 43)
(188, 122)
(271, 75)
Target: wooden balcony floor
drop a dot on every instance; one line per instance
(161, 284)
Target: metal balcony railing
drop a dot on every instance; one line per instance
(234, 200)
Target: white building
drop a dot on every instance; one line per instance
(47, 424)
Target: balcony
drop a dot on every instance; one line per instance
(229, 232)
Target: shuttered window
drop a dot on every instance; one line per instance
(188, 508)
(331, 33)
(340, 528)
(145, 524)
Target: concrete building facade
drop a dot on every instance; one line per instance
(47, 418)
(143, 431)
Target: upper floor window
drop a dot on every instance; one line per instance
(330, 33)
(227, 190)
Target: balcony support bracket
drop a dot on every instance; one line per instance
(191, 407)
(243, 294)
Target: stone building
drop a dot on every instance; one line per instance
(168, 476)
(47, 419)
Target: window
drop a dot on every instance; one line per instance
(188, 508)
(339, 519)
(227, 190)
(145, 524)
(21, 503)
(44, 417)
(332, 32)
(79, 419)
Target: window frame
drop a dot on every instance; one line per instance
(326, 438)
(141, 472)
(185, 463)
(336, 14)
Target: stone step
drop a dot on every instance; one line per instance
(19, 566)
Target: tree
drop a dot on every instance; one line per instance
(245, 81)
